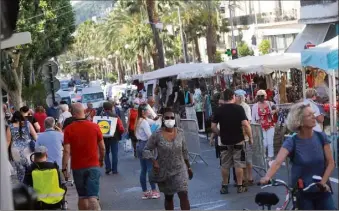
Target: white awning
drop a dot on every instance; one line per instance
(265, 64)
(312, 33)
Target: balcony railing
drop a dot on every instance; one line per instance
(314, 2)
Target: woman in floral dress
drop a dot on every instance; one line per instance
(172, 161)
(19, 135)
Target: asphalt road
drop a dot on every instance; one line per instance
(123, 191)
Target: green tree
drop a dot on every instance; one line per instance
(244, 50)
(265, 47)
(51, 30)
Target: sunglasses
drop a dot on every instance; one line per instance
(169, 117)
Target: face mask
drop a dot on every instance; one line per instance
(169, 123)
(261, 99)
(136, 106)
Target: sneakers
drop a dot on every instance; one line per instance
(147, 195)
(155, 194)
(241, 189)
(224, 189)
(151, 195)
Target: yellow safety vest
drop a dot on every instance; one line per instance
(46, 185)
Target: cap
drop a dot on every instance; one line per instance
(239, 92)
(261, 92)
(40, 149)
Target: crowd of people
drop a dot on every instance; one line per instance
(57, 137)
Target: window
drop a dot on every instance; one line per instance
(93, 97)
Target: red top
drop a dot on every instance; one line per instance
(90, 113)
(133, 114)
(265, 116)
(40, 118)
(83, 137)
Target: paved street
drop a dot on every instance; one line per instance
(123, 191)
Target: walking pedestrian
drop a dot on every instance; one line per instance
(40, 116)
(90, 111)
(232, 120)
(263, 113)
(311, 96)
(131, 123)
(311, 154)
(64, 115)
(112, 143)
(19, 137)
(86, 161)
(240, 100)
(25, 111)
(54, 111)
(53, 140)
(143, 133)
(171, 165)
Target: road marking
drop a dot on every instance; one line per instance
(334, 180)
(202, 135)
(203, 204)
(209, 150)
(215, 207)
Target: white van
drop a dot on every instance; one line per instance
(65, 96)
(95, 95)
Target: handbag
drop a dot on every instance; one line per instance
(32, 142)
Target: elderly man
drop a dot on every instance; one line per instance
(90, 111)
(311, 96)
(64, 114)
(240, 100)
(86, 161)
(53, 140)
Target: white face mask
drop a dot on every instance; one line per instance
(169, 123)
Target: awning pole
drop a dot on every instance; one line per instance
(303, 71)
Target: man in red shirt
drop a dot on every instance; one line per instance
(90, 111)
(83, 139)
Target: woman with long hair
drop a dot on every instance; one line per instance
(143, 133)
(171, 165)
(131, 122)
(19, 135)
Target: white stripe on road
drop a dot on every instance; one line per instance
(215, 207)
(194, 206)
(202, 136)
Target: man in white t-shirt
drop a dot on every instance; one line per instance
(64, 115)
(311, 95)
(240, 100)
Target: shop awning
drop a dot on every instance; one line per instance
(312, 33)
(175, 70)
(323, 56)
(205, 71)
(265, 64)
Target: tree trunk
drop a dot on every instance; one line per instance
(155, 60)
(196, 48)
(140, 69)
(160, 51)
(211, 36)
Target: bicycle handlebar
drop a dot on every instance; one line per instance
(278, 182)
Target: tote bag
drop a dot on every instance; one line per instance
(107, 125)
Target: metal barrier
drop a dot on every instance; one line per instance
(259, 156)
(191, 132)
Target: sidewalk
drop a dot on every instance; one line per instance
(72, 198)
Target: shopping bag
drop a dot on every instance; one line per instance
(107, 125)
(128, 145)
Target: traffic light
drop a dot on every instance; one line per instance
(234, 53)
(228, 52)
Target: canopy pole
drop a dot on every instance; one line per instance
(303, 71)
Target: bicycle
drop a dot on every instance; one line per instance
(267, 199)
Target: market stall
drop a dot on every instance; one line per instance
(325, 57)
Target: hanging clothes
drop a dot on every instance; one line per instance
(282, 90)
(269, 82)
(208, 106)
(320, 78)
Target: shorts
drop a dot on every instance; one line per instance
(249, 152)
(87, 182)
(233, 156)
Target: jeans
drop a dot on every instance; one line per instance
(316, 201)
(146, 168)
(113, 147)
(87, 182)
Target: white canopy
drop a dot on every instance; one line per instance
(265, 64)
(175, 70)
(206, 70)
